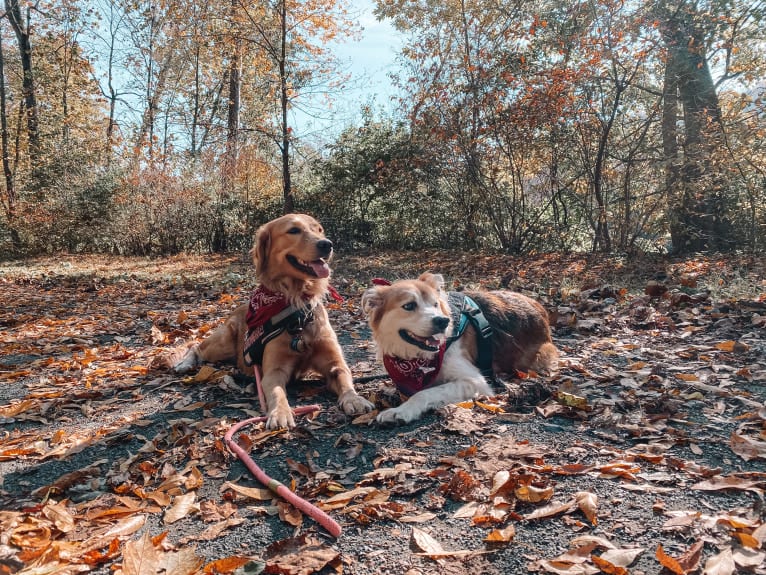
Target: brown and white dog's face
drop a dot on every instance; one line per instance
(292, 246)
(409, 318)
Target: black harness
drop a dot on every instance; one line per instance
(465, 310)
(291, 319)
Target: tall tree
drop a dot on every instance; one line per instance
(293, 35)
(23, 31)
(700, 206)
(10, 185)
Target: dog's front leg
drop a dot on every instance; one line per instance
(339, 381)
(328, 360)
(428, 399)
(279, 414)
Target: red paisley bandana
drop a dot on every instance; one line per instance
(413, 375)
(264, 304)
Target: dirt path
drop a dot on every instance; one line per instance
(647, 446)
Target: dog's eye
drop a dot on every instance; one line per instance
(410, 306)
(294, 230)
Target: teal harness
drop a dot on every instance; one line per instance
(464, 311)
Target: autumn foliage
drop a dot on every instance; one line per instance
(172, 126)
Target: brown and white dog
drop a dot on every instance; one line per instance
(291, 256)
(412, 325)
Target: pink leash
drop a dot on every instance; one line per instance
(280, 489)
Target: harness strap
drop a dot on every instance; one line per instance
(291, 319)
(467, 310)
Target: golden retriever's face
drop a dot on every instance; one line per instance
(409, 318)
(292, 246)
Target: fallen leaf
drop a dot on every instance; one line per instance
(424, 543)
(552, 509)
(607, 566)
(588, 503)
(668, 562)
(183, 505)
(746, 447)
(504, 535)
(720, 564)
(141, 557)
(303, 555)
(622, 557)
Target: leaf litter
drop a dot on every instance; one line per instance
(645, 452)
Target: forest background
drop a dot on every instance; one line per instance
(149, 128)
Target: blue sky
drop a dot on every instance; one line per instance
(369, 61)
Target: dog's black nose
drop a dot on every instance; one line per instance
(324, 247)
(441, 323)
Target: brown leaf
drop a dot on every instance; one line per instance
(588, 504)
(141, 557)
(183, 505)
(720, 564)
(690, 560)
(182, 562)
(532, 494)
(257, 493)
(722, 482)
(424, 543)
(608, 567)
(504, 535)
(668, 562)
(289, 514)
(622, 557)
(226, 565)
(552, 509)
(746, 447)
(302, 555)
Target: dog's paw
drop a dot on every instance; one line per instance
(354, 404)
(394, 415)
(186, 362)
(280, 418)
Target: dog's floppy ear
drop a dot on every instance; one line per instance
(371, 300)
(260, 251)
(436, 281)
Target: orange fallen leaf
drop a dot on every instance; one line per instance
(668, 562)
(608, 567)
(504, 535)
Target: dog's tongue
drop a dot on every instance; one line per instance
(320, 267)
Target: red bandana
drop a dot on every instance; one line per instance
(264, 304)
(413, 375)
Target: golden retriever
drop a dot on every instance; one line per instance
(413, 327)
(291, 256)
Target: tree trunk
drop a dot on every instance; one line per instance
(287, 191)
(232, 121)
(10, 189)
(700, 218)
(23, 35)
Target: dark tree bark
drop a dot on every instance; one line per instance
(23, 38)
(232, 120)
(10, 188)
(697, 185)
(287, 188)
